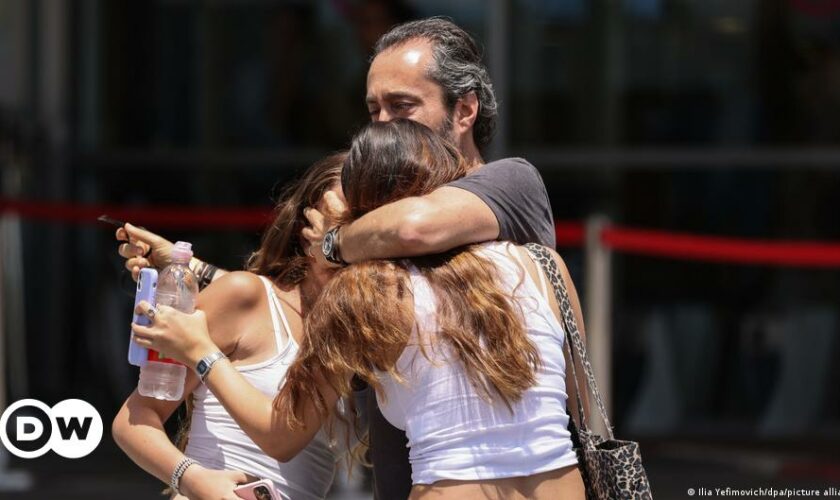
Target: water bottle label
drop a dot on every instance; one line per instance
(155, 356)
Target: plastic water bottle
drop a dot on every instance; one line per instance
(177, 287)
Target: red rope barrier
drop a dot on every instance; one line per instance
(156, 218)
(717, 249)
(569, 234)
(624, 240)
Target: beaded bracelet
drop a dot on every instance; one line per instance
(180, 469)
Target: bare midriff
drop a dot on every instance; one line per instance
(564, 483)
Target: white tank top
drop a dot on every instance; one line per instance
(216, 440)
(453, 432)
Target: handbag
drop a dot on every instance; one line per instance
(611, 468)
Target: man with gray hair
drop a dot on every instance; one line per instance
(431, 71)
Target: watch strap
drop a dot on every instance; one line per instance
(206, 363)
(330, 247)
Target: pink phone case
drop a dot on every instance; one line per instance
(258, 490)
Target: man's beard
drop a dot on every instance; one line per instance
(445, 128)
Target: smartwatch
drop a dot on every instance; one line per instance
(329, 247)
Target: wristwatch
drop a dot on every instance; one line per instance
(207, 362)
(330, 249)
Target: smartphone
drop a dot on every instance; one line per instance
(146, 288)
(258, 490)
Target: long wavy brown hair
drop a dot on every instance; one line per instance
(280, 255)
(364, 317)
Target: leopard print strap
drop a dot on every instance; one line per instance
(584, 436)
(549, 265)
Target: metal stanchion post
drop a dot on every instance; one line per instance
(9, 480)
(598, 314)
(11, 314)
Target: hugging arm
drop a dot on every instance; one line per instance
(257, 416)
(444, 219)
(505, 200)
(337, 344)
(250, 408)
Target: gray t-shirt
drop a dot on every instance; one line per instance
(514, 190)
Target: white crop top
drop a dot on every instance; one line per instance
(216, 440)
(453, 432)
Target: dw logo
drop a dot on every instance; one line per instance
(29, 428)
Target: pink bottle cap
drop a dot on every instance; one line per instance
(182, 253)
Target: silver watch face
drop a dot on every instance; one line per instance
(327, 245)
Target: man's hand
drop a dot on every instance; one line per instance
(143, 249)
(331, 209)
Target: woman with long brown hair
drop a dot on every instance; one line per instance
(254, 317)
(464, 349)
